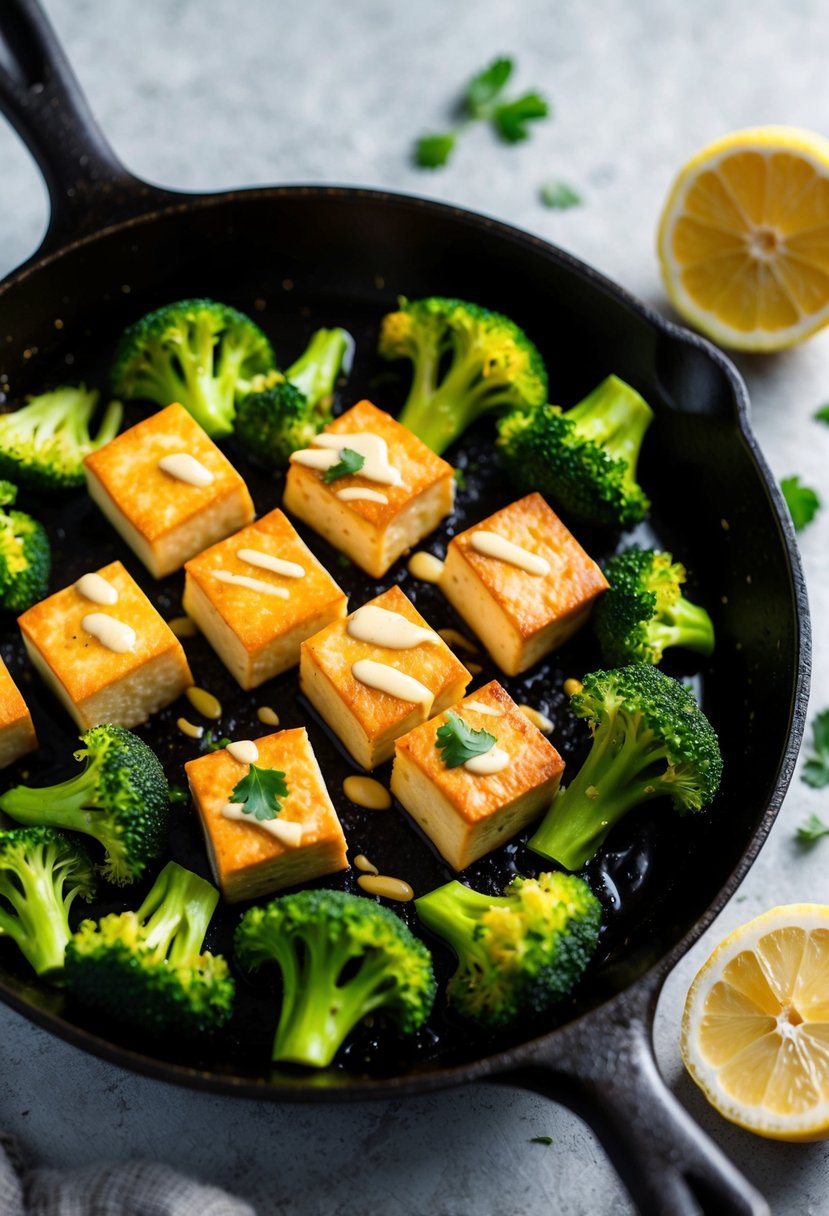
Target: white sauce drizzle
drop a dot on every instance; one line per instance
(287, 833)
(356, 494)
(388, 679)
(490, 544)
(278, 565)
(243, 750)
(490, 762)
(96, 589)
(373, 449)
(252, 584)
(379, 627)
(483, 709)
(115, 635)
(184, 467)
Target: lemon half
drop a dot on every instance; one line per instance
(755, 1031)
(744, 238)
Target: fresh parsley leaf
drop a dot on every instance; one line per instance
(458, 742)
(511, 117)
(179, 794)
(822, 415)
(559, 196)
(211, 744)
(816, 768)
(542, 1140)
(433, 151)
(485, 87)
(811, 831)
(260, 791)
(803, 502)
(349, 462)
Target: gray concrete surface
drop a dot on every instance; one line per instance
(202, 94)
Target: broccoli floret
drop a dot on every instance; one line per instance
(465, 360)
(120, 798)
(196, 352)
(284, 411)
(583, 458)
(43, 444)
(518, 953)
(341, 957)
(645, 612)
(146, 969)
(42, 873)
(25, 555)
(650, 738)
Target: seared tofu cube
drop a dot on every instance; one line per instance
(257, 595)
(115, 661)
(521, 581)
(364, 717)
(169, 491)
(372, 521)
(248, 860)
(468, 814)
(17, 734)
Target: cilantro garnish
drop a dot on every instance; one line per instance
(259, 792)
(816, 768)
(482, 101)
(458, 742)
(349, 462)
(811, 831)
(803, 502)
(558, 195)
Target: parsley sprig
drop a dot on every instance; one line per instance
(816, 768)
(482, 101)
(802, 501)
(457, 742)
(350, 462)
(812, 830)
(260, 791)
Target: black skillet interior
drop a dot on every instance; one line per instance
(298, 259)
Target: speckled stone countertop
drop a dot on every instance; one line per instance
(200, 94)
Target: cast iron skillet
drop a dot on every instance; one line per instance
(303, 256)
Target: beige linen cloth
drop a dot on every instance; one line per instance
(136, 1188)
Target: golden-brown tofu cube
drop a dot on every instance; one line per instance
(364, 718)
(163, 518)
(17, 734)
(376, 529)
(70, 640)
(247, 859)
(254, 616)
(521, 614)
(467, 814)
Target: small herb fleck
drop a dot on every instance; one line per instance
(816, 768)
(458, 742)
(212, 744)
(802, 501)
(460, 479)
(811, 831)
(179, 794)
(559, 196)
(822, 415)
(542, 1140)
(433, 151)
(350, 462)
(259, 792)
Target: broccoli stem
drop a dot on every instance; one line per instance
(317, 1011)
(617, 775)
(41, 927)
(683, 624)
(176, 914)
(439, 416)
(316, 370)
(454, 912)
(616, 418)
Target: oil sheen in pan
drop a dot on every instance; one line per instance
(633, 871)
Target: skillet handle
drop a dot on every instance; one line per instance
(41, 97)
(603, 1067)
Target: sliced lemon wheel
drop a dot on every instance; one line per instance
(755, 1031)
(744, 238)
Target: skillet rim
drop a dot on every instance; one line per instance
(159, 204)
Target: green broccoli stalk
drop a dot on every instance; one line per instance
(43, 444)
(42, 873)
(283, 412)
(465, 360)
(342, 957)
(120, 798)
(518, 953)
(195, 352)
(650, 739)
(645, 612)
(147, 969)
(583, 458)
(25, 555)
